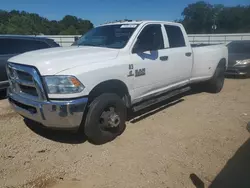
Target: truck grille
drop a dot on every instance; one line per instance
(25, 81)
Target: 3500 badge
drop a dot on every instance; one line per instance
(138, 72)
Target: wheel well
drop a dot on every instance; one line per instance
(111, 86)
(222, 63)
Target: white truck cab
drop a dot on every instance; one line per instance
(111, 68)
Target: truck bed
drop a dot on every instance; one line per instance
(206, 58)
(201, 45)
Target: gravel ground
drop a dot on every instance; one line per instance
(199, 140)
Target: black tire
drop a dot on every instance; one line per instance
(216, 84)
(94, 128)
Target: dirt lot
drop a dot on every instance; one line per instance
(200, 139)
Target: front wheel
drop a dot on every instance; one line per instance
(105, 119)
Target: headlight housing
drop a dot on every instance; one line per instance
(62, 84)
(242, 62)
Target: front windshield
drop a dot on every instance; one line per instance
(109, 36)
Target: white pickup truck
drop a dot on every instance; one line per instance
(112, 68)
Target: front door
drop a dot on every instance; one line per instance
(147, 61)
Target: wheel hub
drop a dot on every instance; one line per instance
(114, 120)
(110, 119)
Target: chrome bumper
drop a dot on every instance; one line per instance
(54, 114)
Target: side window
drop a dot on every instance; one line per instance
(150, 39)
(17, 46)
(175, 36)
(29, 45)
(7, 46)
(52, 43)
(2, 47)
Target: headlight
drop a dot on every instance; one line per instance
(63, 84)
(243, 62)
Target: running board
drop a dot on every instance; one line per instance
(158, 99)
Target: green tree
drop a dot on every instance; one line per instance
(200, 16)
(68, 21)
(234, 19)
(71, 30)
(54, 27)
(83, 26)
(24, 23)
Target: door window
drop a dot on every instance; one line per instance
(175, 36)
(150, 39)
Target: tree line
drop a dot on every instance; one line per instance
(199, 17)
(202, 17)
(24, 23)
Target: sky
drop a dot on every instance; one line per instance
(101, 11)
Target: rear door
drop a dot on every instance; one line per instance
(180, 58)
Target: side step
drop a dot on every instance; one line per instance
(160, 98)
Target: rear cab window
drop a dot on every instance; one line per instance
(175, 36)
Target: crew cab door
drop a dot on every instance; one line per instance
(147, 61)
(180, 56)
(162, 58)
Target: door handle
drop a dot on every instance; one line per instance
(164, 58)
(188, 54)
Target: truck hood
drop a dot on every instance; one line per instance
(54, 60)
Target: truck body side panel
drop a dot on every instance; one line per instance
(206, 59)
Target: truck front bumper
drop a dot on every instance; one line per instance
(58, 114)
